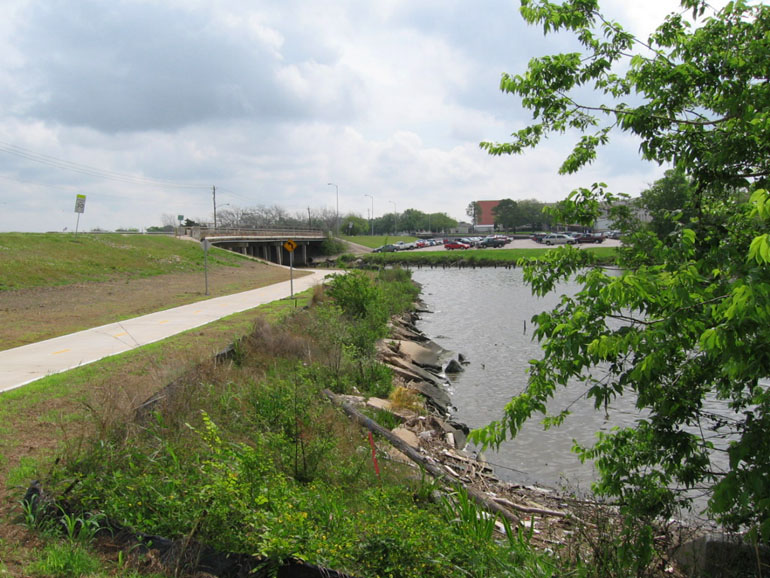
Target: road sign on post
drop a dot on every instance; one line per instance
(290, 245)
(80, 208)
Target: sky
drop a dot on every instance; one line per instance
(144, 106)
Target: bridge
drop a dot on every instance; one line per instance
(267, 244)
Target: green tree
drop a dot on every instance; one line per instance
(683, 327)
(439, 222)
(412, 220)
(669, 202)
(532, 215)
(507, 215)
(473, 210)
(354, 225)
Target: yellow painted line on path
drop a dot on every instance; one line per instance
(164, 321)
(120, 334)
(62, 351)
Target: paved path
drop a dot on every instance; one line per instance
(25, 364)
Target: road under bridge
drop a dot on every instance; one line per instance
(267, 244)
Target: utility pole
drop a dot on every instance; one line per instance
(214, 195)
(337, 222)
(372, 217)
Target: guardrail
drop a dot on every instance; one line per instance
(201, 233)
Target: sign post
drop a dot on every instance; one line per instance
(206, 245)
(80, 208)
(290, 246)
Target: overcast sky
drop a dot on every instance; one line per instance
(144, 105)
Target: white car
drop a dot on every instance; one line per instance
(559, 239)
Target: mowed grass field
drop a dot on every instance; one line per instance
(50, 259)
(54, 284)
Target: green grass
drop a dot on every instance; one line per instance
(259, 438)
(378, 240)
(38, 260)
(64, 559)
(75, 384)
(224, 330)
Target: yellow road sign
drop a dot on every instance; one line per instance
(290, 245)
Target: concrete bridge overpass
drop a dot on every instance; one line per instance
(267, 244)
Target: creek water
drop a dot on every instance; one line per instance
(485, 315)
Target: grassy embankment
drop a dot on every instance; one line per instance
(54, 284)
(30, 260)
(248, 457)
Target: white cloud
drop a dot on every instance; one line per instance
(270, 101)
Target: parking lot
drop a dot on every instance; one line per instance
(525, 244)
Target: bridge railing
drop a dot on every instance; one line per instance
(201, 233)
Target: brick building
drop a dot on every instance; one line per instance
(486, 217)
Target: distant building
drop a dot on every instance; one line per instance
(486, 217)
(462, 228)
(604, 221)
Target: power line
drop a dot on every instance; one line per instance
(105, 174)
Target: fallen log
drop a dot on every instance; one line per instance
(433, 469)
(531, 509)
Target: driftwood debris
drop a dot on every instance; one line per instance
(429, 466)
(530, 509)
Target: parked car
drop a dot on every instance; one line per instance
(538, 237)
(385, 249)
(451, 245)
(559, 239)
(590, 238)
(491, 242)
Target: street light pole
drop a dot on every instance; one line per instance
(372, 198)
(337, 224)
(214, 195)
(395, 217)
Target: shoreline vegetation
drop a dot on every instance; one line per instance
(244, 454)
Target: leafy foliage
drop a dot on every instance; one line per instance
(253, 460)
(682, 327)
(669, 202)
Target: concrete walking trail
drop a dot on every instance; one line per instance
(22, 365)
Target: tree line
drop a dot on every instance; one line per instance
(260, 217)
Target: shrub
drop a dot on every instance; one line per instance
(404, 398)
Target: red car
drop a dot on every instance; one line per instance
(456, 245)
